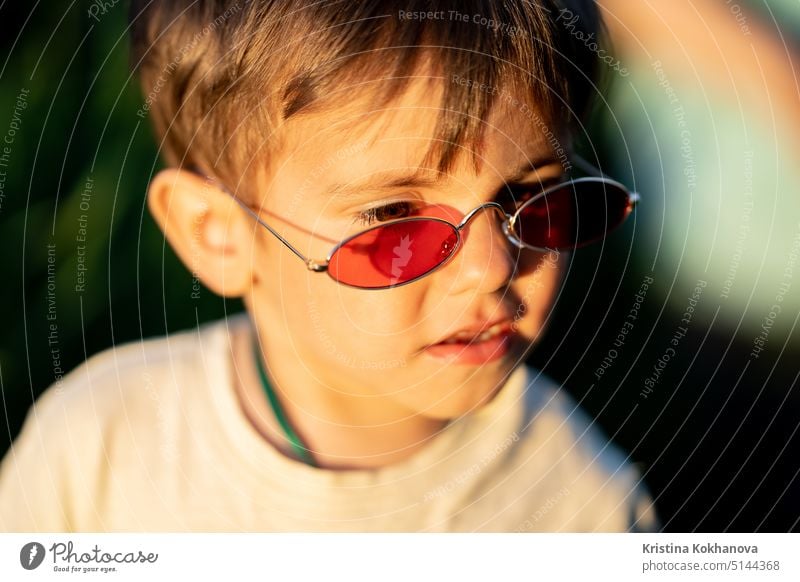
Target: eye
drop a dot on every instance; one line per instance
(385, 213)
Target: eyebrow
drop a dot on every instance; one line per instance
(418, 178)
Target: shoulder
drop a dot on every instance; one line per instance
(607, 487)
(118, 409)
(146, 369)
(126, 379)
(551, 413)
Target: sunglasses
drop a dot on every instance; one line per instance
(562, 217)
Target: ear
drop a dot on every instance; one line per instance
(207, 229)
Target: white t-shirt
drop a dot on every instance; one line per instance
(150, 436)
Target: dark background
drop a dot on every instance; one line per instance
(717, 438)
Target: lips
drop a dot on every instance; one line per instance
(478, 334)
(475, 345)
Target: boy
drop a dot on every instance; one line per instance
(365, 177)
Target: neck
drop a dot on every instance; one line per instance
(342, 430)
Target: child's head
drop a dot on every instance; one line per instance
(326, 118)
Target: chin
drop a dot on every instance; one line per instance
(464, 400)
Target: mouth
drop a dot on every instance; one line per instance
(476, 345)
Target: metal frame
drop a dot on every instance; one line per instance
(507, 225)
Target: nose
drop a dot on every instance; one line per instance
(485, 262)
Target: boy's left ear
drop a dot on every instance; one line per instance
(207, 229)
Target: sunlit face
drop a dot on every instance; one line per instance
(416, 347)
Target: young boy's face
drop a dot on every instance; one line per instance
(387, 344)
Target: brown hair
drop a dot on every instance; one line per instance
(222, 76)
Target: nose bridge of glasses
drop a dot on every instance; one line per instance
(499, 211)
(485, 262)
(474, 212)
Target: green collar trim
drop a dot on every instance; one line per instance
(298, 447)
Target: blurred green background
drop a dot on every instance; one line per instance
(79, 128)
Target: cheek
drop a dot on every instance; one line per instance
(333, 320)
(326, 319)
(382, 317)
(534, 292)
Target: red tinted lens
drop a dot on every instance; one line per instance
(574, 215)
(393, 254)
